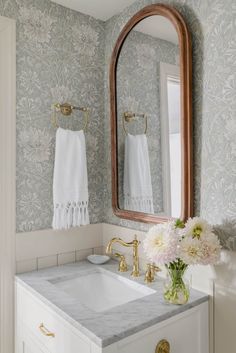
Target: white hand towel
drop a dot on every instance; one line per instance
(70, 181)
(137, 176)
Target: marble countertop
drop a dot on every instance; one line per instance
(112, 325)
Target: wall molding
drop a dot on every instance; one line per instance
(43, 243)
(7, 181)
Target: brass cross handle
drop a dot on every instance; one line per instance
(163, 347)
(150, 273)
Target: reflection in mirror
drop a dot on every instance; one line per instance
(148, 119)
(171, 138)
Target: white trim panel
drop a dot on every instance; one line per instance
(43, 243)
(7, 181)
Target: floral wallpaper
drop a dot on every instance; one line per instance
(138, 90)
(212, 26)
(60, 57)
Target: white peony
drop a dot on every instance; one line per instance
(190, 251)
(160, 244)
(194, 244)
(196, 227)
(199, 245)
(210, 249)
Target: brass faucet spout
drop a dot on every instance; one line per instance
(109, 245)
(135, 243)
(122, 264)
(119, 241)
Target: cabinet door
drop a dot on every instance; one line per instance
(34, 313)
(30, 346)
(26, 343)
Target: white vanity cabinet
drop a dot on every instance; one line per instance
(37, 325)
(40, 329)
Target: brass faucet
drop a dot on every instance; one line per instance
(122, 265)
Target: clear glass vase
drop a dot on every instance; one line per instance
(176, 286)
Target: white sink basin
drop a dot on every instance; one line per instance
(101, 290)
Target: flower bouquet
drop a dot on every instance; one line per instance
(176, 245)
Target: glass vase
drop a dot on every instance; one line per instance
(176, 287)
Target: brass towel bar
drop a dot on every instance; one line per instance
(130, 116)
(66, 110)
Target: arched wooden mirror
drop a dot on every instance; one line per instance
(151, 119)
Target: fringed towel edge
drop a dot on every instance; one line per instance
(73, 214)
(139, 204)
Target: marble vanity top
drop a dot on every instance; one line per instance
(112, 325)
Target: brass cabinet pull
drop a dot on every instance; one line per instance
(45, 331)
(163, 347)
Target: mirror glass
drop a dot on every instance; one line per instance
(148, 119)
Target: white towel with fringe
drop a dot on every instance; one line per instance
(70, 180)
(137, 175)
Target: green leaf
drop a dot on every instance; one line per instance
(179, 224)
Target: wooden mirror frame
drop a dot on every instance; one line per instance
(186, 113)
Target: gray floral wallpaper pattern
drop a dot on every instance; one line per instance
(138, 90)
(212, 26)
(60, 57)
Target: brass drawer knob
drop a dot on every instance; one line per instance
(45, 331)
(163, 347)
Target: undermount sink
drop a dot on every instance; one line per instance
(101, 290)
